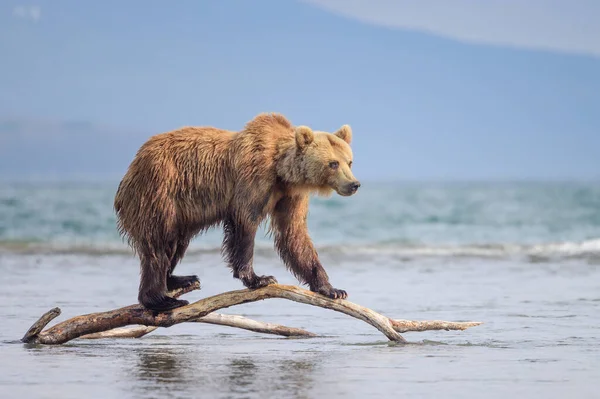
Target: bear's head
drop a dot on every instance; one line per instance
(322, 161)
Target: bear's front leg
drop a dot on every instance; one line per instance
(238, 247)
(296, 248)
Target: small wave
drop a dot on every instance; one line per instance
(589, 249)
(30, 248)
(41, 248)
(105, 249)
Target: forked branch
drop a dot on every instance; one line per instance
(109, 324)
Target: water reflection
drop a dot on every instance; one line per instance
(296, 377)
(180, 372)
(161, 366)
(241, 377)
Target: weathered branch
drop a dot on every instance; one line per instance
(108, 324)
(253, 325)
(212, 318)
(403, 326)
(39, 325)
(245, 323)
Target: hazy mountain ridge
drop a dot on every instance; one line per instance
(67, 149)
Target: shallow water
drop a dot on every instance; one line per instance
(529, 272)
(540, 337)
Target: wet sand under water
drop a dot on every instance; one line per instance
(540, 337)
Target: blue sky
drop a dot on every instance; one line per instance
(432, 91)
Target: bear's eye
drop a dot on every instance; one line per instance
(334, 164)
(350, 164)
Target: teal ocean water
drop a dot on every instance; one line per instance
(541, 220)
(523, 258)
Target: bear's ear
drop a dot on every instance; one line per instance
(345, 133)
(304, 136)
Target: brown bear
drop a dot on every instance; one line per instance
(183, 182)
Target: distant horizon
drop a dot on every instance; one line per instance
(444, 91)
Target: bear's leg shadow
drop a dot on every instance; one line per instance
(153, 283)
(238, 247)
(178, 249)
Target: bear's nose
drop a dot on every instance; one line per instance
(355, 186)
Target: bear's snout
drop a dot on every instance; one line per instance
(352, 187)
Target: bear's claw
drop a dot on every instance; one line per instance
(176, 282)
(260, 281)
(332, 293)
(165, 303)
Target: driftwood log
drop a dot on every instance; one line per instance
(112, 324)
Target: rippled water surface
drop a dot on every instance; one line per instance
(522, 259)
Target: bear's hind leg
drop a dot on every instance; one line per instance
(238, 247)
(175, 282)
(153, 284)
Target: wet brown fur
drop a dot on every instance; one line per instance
(185, 181)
